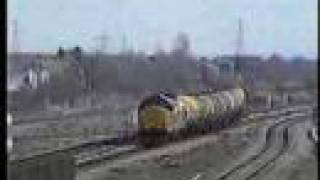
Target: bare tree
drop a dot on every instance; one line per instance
(182, 46)
(159, 51)
(83, 68)
(60, 52)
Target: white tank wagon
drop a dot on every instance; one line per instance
(171, 115)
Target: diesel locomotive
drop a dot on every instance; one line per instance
(166, 115)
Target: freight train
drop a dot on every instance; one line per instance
(168, 116)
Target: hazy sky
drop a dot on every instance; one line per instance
(284, 26)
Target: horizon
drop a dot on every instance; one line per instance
(263, 56)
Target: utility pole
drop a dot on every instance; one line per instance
(15, 37)
(240, 38)
(239, 52)
(239, 44)
(103, 45)
(101, 41)
(124, 45)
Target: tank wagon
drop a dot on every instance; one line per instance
(166, 115)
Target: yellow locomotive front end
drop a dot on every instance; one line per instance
(155, 115)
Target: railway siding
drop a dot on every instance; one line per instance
(139, 156)
(166, 154)
(276, 144)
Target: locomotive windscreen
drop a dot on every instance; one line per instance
(165, 100)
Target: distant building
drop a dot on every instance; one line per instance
(226, 65)
(231, 65)
(44, 76)
(9, 134)
(32, 79)
(31, 69)
(36, 77)
(75, 52)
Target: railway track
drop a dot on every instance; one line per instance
(57, 116)
(90, 153)
(98, 169)
(119, 150)
(277, 143)
(110, 152)
(103, 153)
(279, 112)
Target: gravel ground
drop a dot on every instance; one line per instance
(214, 152)
(50, 133)
(192, 160)
(203, 158)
